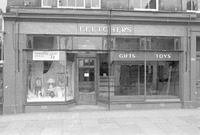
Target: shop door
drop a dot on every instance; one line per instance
(198, 79)
(86, 73)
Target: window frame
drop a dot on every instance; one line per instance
(58, 5)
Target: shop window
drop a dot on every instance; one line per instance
(66, 42)
(126, 43)
(129, 78)
(103, 58)
(42, 42)
(49, 3)
(193, 5)
(162, 78)
(89, 43)
(170, 5)
(143, 4)
(146, 43)
(198, 44)
(49, 80)
(164, 43)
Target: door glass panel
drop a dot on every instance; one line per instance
(86, 75)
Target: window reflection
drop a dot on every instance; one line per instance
(162, 78)
(50, 81)
(129, 78)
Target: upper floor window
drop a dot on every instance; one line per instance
(79, 3)
(72, 3)
(143, 4)
(170, 5)
(1, 47)
(193, 5)
(95, 4)
(49, 3)
(130, 4)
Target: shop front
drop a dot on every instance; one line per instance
(58, 65)
(91, 70)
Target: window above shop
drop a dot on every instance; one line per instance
(93, 4)
(170, 5)
(193, 5)
(146, 43)
(151, 5)
(41, 42)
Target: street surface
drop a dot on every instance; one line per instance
(103, 122)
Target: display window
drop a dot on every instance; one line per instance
(144, 66)
(162, 78)
(146, 78)
(50, 80)
(129, 78)
(49, 74)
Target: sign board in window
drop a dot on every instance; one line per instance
(46, 55)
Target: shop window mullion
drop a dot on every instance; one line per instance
(145, 74)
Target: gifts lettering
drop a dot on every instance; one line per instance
(126, 55)
(163, 56)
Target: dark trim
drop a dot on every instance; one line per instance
(49, 103)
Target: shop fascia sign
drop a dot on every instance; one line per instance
(144, 55)
(103, 29)
(46, 55)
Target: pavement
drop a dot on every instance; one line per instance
(103, 122)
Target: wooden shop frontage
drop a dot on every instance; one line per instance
(107, 59)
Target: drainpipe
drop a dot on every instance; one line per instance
(188, 55)
(16, 49)
(109, 55)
